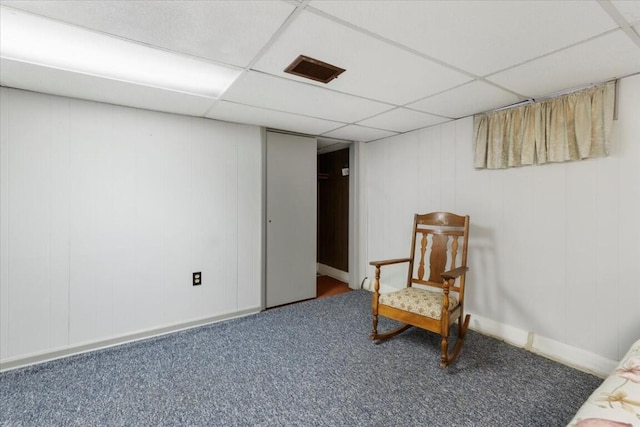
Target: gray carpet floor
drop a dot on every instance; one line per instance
(307, 364)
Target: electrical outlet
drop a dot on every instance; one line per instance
(197, 278)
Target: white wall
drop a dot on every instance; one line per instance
(106, 211)
(554, 249)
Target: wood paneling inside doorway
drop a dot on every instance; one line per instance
(333, 209)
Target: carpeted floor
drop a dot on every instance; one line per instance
(307, 364)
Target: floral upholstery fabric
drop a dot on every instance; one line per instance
(418, 301)
(617, 401)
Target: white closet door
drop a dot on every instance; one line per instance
(291, 218)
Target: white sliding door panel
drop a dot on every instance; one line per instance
(291, 219)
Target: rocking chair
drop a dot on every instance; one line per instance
(431, 304)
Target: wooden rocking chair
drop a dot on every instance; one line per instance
(430, 305)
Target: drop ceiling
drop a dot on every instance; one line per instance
(409, 64)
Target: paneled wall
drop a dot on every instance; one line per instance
(105, 213)
(555, 249)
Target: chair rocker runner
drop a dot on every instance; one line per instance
(430, 305)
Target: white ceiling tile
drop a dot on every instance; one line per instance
(265, 91)
(375, 69)
(238, 113)
(232, 32)
(359, 133)
(478, 36)
(403, 120)
(36, 78)
(603, 58)
(630, 10)
(470, 98)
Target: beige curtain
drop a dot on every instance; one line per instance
(570, 127)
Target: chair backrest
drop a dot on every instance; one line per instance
(439, 244)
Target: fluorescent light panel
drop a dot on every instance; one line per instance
(32, 39)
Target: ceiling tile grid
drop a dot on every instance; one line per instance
(271, 92)
(373, 68)
(465, 100)
(229, 111)
(603, 58)
(409, 64)
(629, 9)
(481, 37)
(402, 120)
(359, 133)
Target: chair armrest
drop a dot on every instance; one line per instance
(456, 272)
(389, 262)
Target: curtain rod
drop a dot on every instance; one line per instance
(557, 95)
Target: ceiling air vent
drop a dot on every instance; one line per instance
(313, 69)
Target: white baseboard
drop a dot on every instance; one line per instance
(572, 356)
(326, 270)
(510, 334)
(35, 358)
(555, 350)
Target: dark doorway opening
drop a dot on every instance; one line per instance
(333, 209)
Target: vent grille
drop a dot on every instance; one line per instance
(313, 69)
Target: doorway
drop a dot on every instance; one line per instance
(333, 215)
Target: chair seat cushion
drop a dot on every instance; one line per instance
(418, 301)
